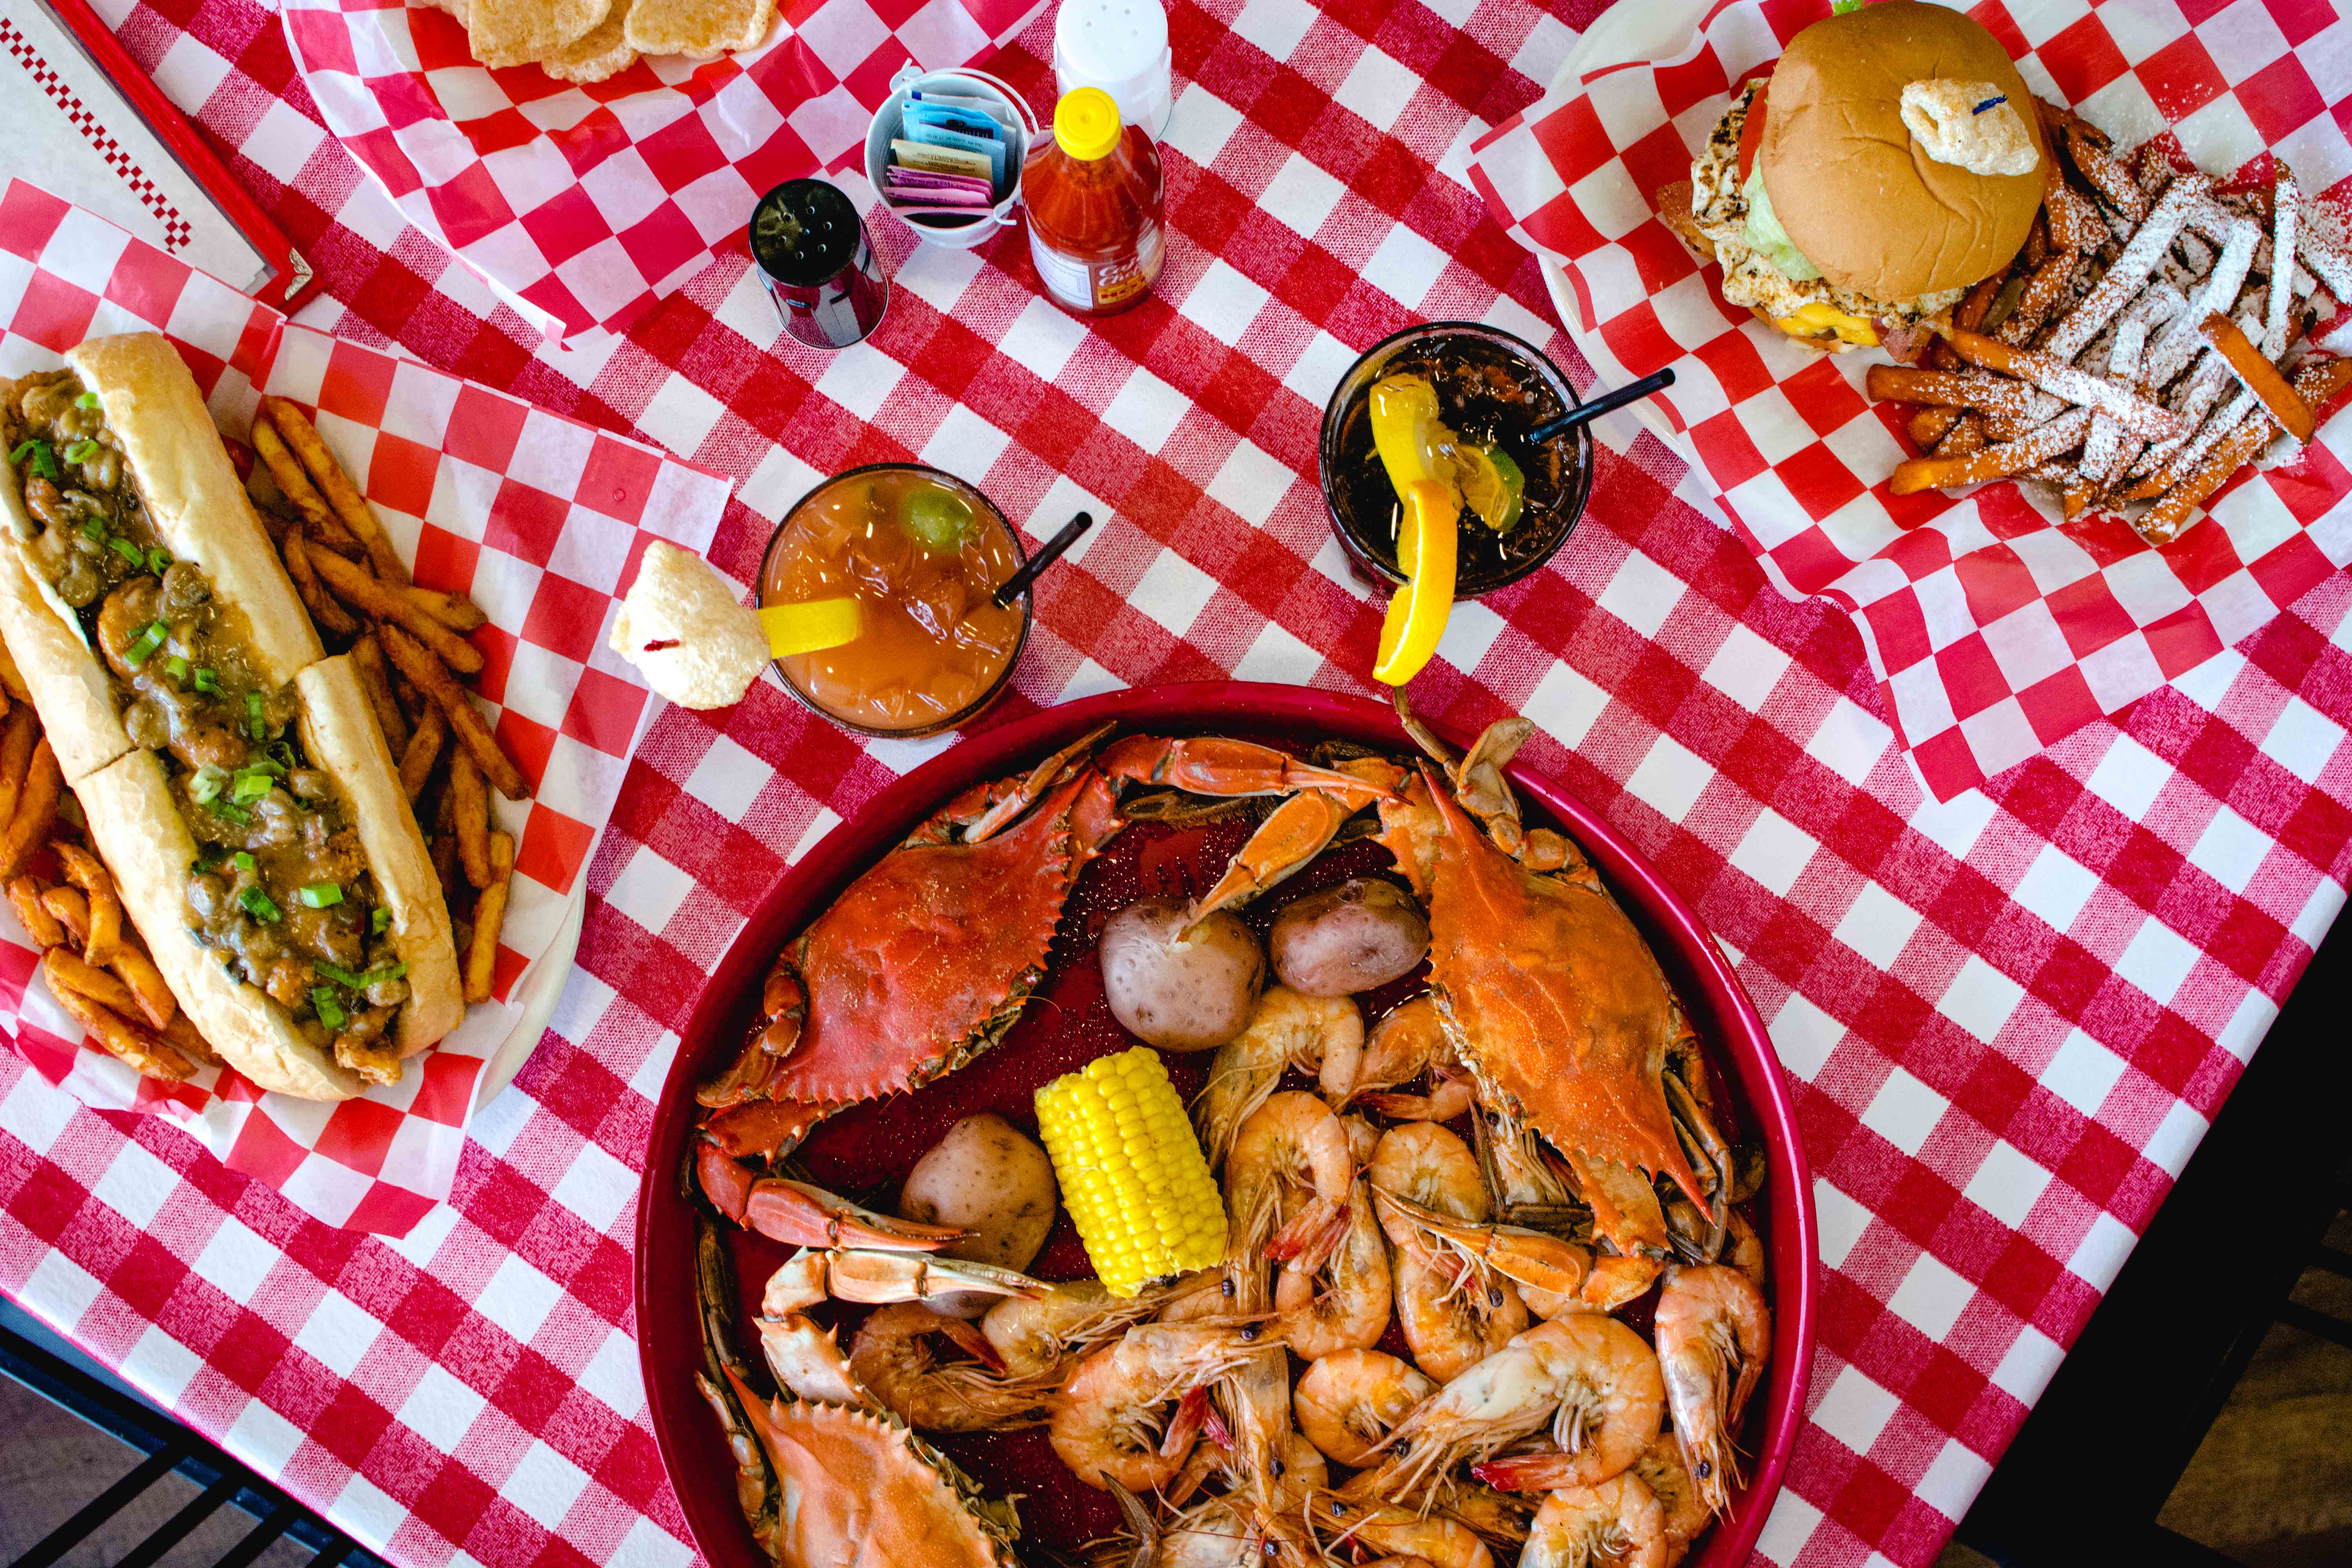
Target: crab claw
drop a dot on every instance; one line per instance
(1528, 1257)
(883, 1277)
(764, 1130)
(1299, 829)
(800, 1215)
(725, 1183)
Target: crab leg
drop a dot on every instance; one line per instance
(1625, 1208)
(804, 1215)
(1528, 1257)
(1299, 829)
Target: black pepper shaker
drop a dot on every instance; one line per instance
(814, 256)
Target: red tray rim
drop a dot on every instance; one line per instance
(676, 1414)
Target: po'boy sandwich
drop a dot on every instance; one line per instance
(234, 778)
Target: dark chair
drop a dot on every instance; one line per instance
(2127, 1408)
(59, 1372)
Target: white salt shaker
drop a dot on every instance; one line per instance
(1120, 46)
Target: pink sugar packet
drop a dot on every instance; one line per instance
(899, 177)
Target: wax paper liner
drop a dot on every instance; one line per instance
(1993, 628)
(539, 517)
(582, 206)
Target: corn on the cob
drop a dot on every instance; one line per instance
(1132, 1175)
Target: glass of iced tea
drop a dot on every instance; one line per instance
(1491, 389)
(922, 553)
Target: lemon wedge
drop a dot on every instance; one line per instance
(1426, 539)
(808, 626)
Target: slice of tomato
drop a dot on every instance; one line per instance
(1751, 136)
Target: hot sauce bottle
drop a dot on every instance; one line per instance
(1093, 193)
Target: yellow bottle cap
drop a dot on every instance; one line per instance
(1085, 124)
(810, 626)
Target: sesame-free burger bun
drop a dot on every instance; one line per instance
(1853, 190)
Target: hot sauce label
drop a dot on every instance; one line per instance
(1100, 284)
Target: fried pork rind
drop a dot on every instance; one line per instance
(683, 626)
(520, 32)
(606, 52)
(698, 29)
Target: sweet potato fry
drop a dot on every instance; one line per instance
(36, 810)
(2150, 421)
(85, 871)
(1951, 389)
(70, 910)
(295, 485)
(24, 897)
(142, 1051)
(69, 970)
(367, 658)
(2261, 377)
(385, 602)
(489, 915)
(2233, 451)
(469, 805)
(330, 616)
(455, 611)
(1930, 426)
(350, 506)
(1914, 474)
(1967, 436)
(16, 755)
(138, 971)
(423, 751)
(432, 677)
(1970, 314)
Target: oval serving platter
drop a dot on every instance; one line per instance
(865, 1150)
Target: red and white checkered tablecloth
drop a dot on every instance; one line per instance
(2006, 1017)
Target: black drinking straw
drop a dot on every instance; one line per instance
(1012, 587)
(1600, 405)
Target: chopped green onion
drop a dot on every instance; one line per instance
(330, 1011)
(210, 860)
(86, 400)
(389, 972)
(143, 647)
(254, 721)
(23, 449)
(263, 764)
(81, 451)
(260, 906)
(320, 895)
(209, 780)
(158, 558)
(94, 529)
(208, 682)
(177, 668)
(282, 753)
(340, 977)
(250, 787)
(378, 921)
(231, 811)
(44, 463)
(242, 860)
(128, 551)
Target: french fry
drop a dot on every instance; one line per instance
(69, 970)
(444, 849)
(70, 910)
(181, 1034)
(367, 658)
(1929, 426)
(1970, 314)
(24, 897)
(84, 871)
(36, 810)
(2233, 451)
(469, 805)
(2039, 446)
(423, 751)
(2044, 287)
(2150, 421)
(142, 1051)
(295, 485)
(330, 616)
(138, 971)
(455, 611)
(16, 755)
(410, 657)
(384, 602)
(2261, 377)
(336, 485)
(1951, 389)
(1968, 435)
(489, 915)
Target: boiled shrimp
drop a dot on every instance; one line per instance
(1292, 1141)
(892, 1357)
(1431, 1166)
(1287, 1029)
(1662, 1471)
(1107, 1423)
(1590, 1379)
(1615, 1522)
(1409, 1044)
(1452, 1316)
(1714, 1332)
(1349, 1401)
(1744, 1250)
(1040, 1337)
(1345, 1304)
(1432, 1539)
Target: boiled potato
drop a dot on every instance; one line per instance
(1355, 937)
(1181, 986)
(989, 1179)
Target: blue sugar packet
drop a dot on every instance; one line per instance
(952, 117)
(995, 151)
